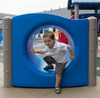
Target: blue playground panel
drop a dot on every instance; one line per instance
(0, 37)
(28, 68)
(82, 16)
(44, 31)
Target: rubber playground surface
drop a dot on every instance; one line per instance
(69, 92)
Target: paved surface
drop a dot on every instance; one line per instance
(70, 92)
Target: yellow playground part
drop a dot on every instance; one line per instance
(57, 32)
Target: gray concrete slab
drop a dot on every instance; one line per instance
(72, 92)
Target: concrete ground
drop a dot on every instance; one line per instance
(70, 92)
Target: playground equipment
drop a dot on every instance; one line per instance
(61, 36)
(57, 32)
(83, 16)
(1, 38)
(45, 30)
(24, 69)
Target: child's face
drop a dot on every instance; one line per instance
(49, 42)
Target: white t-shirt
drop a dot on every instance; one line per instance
(58, 52)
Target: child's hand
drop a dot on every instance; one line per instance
(72, 57)
(33, 50)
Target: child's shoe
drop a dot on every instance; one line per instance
(49, 67)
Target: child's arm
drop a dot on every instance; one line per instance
(38, 51)
(71, 52)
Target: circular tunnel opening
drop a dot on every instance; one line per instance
(36, 42)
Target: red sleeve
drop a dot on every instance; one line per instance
(73, 17)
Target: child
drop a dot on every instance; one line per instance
(57, 52)
(72, 15)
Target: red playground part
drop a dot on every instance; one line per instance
(73, 17)
(62, 38)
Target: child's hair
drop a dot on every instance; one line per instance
(49, 34)
(73, 13)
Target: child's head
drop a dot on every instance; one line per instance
(49, 39)
(49, 34)
(73, 13)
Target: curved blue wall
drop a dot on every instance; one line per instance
(25, 71)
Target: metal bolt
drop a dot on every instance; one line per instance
(93, 70)
(92, 49)
(7, 71)
(7, 50)
(93, 28)
(6, 28)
